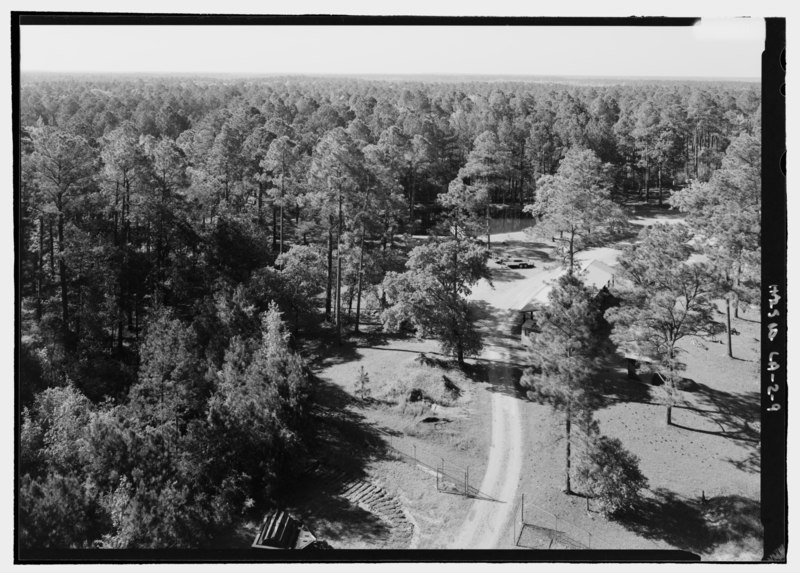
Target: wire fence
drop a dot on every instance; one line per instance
(537, 528)
(450, 477)
(711, 494)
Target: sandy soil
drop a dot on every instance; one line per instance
(487, 517)
(487, 523)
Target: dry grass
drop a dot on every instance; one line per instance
(710, 451)
(446, 421)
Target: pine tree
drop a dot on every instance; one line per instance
(562, 352)
(669, 299)
(726, 212)
(431, 294)
(362, 385)
(574, 203)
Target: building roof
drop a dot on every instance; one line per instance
(598, 274)
(279, 530)
(538, 299)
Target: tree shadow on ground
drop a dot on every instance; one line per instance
(738, 414)
(524, 249)
(375, 336)
(344, 438)
(501, 377)
(326, 350)
(692, 525)
(616, 386)
(642, 210)
(336, 520)
(344, 442)
(751, 463)
(499, 326)
(504, 275)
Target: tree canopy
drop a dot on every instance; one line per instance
(668, 300)
(431, 294)
(575, 204)
(160, 219)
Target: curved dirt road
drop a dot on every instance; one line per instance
(486, 520)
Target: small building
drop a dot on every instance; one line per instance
(634, 361)
(279, 530)
(598, 274)
(538, 300)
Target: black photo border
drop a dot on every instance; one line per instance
(774, 272)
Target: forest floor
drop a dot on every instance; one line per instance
(398, 442)
(507, 447)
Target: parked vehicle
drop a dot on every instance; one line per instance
(518, 263)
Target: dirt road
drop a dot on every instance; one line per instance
(487, 520)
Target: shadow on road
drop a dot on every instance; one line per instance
(504, 275)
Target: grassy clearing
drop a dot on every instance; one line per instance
(428, 409)
(703, 471)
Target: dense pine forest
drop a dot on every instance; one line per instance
(182, 241)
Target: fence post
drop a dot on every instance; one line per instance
(415, 454)
(522, 511)
(466, 484)
(514, 531)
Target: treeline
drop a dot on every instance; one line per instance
(173, 233)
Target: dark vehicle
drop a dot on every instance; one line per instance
(518, 264)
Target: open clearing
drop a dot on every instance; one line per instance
(703, 471)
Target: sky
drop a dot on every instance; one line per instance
(718, 48)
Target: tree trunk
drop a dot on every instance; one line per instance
(260, 201)
(40, 270)
(274, 228)
(136, 311)
(280, 250)
(62, 275)
(660, 189)
(728, 313)
(671, 388)
(696, 156)
(360, 279)
(330, 270)
(339, 273)
(737, 283)
(686, 160)
(571, 251)
(568, 432)
(411, 206)
(488, 229)
(52, 249)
